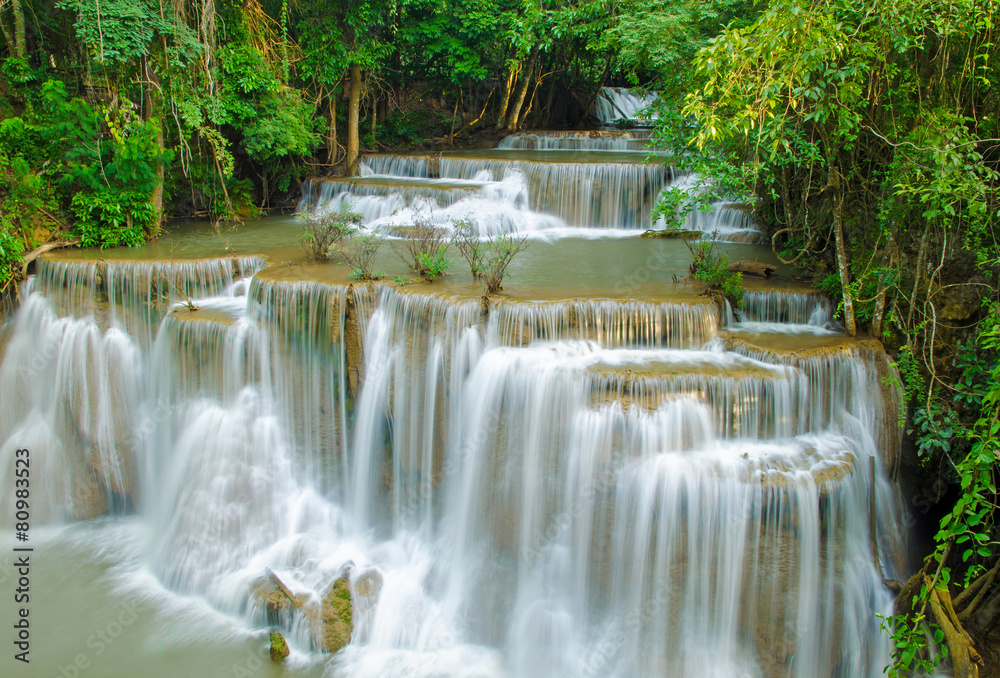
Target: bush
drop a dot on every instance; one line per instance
(470, 245)
(323, 230)
(435, 263)
(423, 247)
(360, 256)
(11, 251)
(712, 267)
(488, 258)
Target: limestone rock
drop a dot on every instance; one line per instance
(279, 648)
(673, 233)
(277, 606)
(336, 617)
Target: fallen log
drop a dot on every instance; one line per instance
(281, 587)
(39, 251)
(757, 268)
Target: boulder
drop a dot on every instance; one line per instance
(336, 617)
(279, 648)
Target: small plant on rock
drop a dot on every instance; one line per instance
(324, 229)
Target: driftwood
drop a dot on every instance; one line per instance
(758, 268)
(39, 251)
(281, 587)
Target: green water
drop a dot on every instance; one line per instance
(96, 610)
(566, 268)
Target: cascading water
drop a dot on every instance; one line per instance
(540, 185)
(581, 488)
(618, 103)
(786, 312)
(631, 140)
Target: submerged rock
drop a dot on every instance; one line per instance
(673, 233)
(279, 648)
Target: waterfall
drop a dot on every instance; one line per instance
(785, 312)
(626, 140)
(537, 184)
(617, 103)
(586, 487)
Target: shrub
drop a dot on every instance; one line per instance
(423, 247)
(360, 255)
(499, 252)
(323, 230)
(488, 258)
(435, 263)
(470, 245)
(712, 267)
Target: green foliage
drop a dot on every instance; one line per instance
(488, 257)
(712, 267)
(115, 31)
(11, 251)
(912, 654)
(360, 254)
(434, 264)
(324, 229)
(969, 525)
(971, 519)
(108, 218)
(68, 160)
(423, 247)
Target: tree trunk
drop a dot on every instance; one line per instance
(331, 136)
(522, 91)
(838, 232)
(353, 112)
(152, 109)
(20, 34)
(8, 36)
(597, 92)
(531, 101)
(508, 88)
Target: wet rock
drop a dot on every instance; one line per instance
(673, 233)
(352, 340)
(336, 617)
(276, 605)
(279, 648)
(88, 500)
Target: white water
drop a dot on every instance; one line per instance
(631, 140)
(617, 103)
(785, 313)
(565, 184)
(588, 488)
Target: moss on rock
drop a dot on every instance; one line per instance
(279, 648)
(337, 617)
(673, 233)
